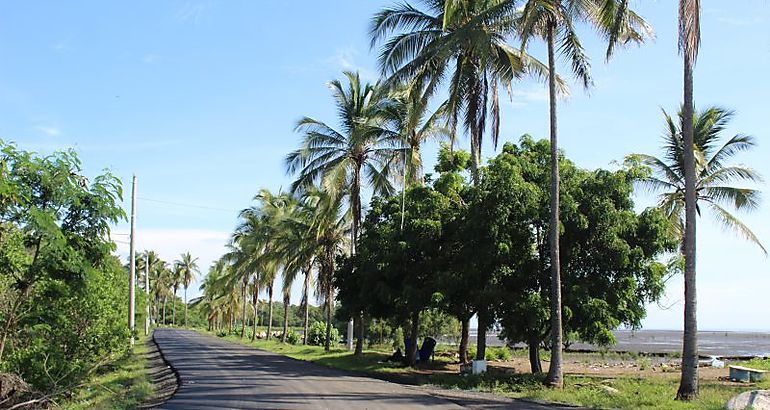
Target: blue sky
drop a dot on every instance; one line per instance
(200, 98)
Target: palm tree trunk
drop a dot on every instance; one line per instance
(306, 296)
(327, 343)
(164, 310)
(255, 303)
(688, 385)
(173, 309)
(555, 372)
(270, 311)
(243, 315)
(185, 306)
(148, 308)
(286, 302)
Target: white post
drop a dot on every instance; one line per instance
(132, 266)
(350, 334)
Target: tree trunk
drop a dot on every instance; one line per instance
(185, 306)
(481, 337)
(306, 295)
(270, 311)
(688, 385)
(534, 355)
(411, 350)
(359, 335)
(255, 304)
(173, 309)
(464, 335)
(327, 343)
(243, 315)
(164, 311)
(286, 302)
(11, 318)
(555, 372)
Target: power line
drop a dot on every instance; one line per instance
(189, 205)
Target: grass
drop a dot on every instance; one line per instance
(624, 392)
(122, 384)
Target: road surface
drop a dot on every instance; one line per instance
(218, 374)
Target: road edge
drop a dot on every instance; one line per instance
(167, 370)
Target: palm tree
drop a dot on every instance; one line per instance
(554, 21)
(470, 38)
(689, 43)
(713, 190)
(188, 270)
(339, 160)
(714, 177)
(176, 277)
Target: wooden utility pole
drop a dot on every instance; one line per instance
(132, 266)
(147, 293)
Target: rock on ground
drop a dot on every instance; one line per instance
(755, 399)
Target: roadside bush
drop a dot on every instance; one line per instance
(292, 337)
(316, 334)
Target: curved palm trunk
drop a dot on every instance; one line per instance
(269, 311)
(688, 385)
(327, 343)
(243, 315)
(306, 296)
(286, 302)
(555, 372)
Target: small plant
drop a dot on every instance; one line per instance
(398, 339)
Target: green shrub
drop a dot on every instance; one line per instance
(292, 337)
(398, 339)
(316, 335)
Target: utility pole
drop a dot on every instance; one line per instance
(132, 266)
(147, 293)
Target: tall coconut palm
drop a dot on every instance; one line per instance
(466, 37)
(713, 188)
(555, 21)
(188, 271)
(341, 160)
(689, 43)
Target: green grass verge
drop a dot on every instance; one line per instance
(594, 392)
(122, 384)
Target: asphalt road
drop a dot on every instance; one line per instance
(218, 374)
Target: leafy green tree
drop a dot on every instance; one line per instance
(62, 310)
(554, 21)
(610, 268)
(394, 274)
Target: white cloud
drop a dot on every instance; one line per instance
(345, 60)
(49, 130)
(523, 97)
